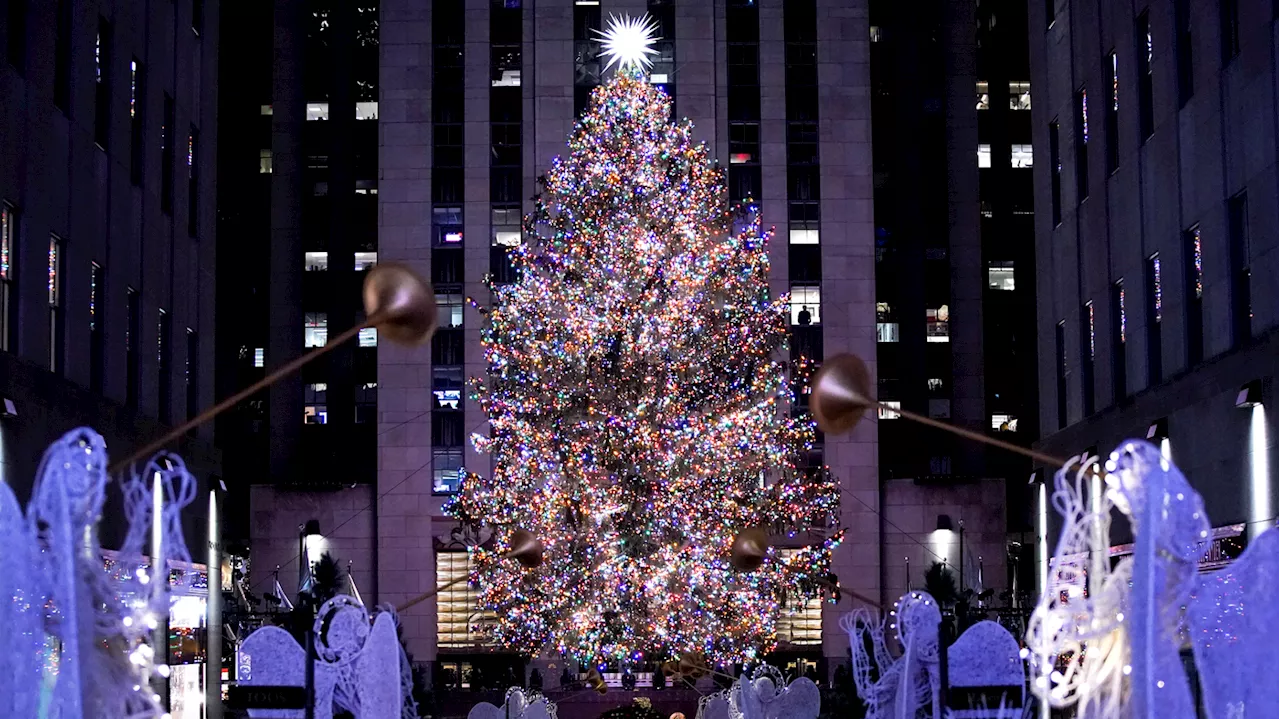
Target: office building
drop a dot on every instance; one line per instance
(954, 264)
(475, 98)
(1157, 249)
(108, 130)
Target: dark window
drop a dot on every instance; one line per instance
(1193, 262)
(166, 156)
(1155, 316)
(1082, 145)
(1241, 300)
(164, 367)
(802, 143)
(1112, 121)
(744, 183)
(56, 315)
(1050, 14)
(1119, 331)
(1229, 19)
(1145, 49)
(1088, 347)
(744, 143)
(102, 84)
(132, 338)
(1182, 48)
(193, 374)
(1055, 173)
(193, 181)
(62, 58)
(8, 288)
(17, 35)
(446, 347)
(1060, 339)
(446, 184)
(446, 429)
(197, 16)
(97, 315)
(137, 111)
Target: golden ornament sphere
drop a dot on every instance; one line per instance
(841, 393)
(399, 304)
(750, 548)
(526, 549)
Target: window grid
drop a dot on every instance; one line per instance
(1119, 383)
(8, 235)
(1194, 264)
(1082, 145)
(799, 625)
(1155, 303)
(458, 623)
(131, 338)
(96, 353)
(55, 304)
(163, 365)
(1055, 173)
(1146, 51)
(1112, 127)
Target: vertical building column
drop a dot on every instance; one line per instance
(404, 393)
(700, 63)
(848, 285)
(345, 285)
(288, 165)
(551, 93)
(968, 400)
(773, 141)
(476, 214)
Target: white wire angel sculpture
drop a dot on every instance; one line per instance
(908, 687)
(78, 642)
(1114, 651)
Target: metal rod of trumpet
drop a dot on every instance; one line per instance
(282, 371)
(975, 436)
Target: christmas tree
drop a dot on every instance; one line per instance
(637, 407)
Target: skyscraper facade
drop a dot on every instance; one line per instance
(107, 245)
(1157, 270)
(474, 100)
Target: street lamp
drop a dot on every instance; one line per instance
(305, 532)
(946, 525)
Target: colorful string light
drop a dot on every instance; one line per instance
(637, 409)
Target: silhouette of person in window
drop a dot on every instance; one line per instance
(804, 317)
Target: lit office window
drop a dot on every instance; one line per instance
(365, 260)
(936, 325)
(315, 331)
(315, 408)
(367, 337)
(259, 357)
(799, 625)
(449, 309)
(1000, 276)
(1004, 423)
(366, 110)
(1020, 156)
(317, 261)
(317, 111)
(446, 470)
(264, 162)
(806, 304)
(984, 95)
(803, 237)
(458, 624)
(984, 156)
(1019, 96)
(885, 409)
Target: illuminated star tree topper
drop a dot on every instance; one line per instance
(628, 42)
(639, 418)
